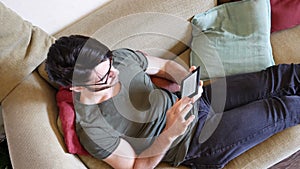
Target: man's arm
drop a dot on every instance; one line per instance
(125, 157)
(164, 68)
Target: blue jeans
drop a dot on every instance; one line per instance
(257, 105)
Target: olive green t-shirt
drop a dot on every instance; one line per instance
(136, 114)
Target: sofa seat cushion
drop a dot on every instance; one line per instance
(270, 152)
(22, 48)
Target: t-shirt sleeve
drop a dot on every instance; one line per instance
(137, 56)
(143, 58)
(95, 134)
(97, 142)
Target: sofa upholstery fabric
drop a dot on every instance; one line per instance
(29, 107)
(29, 114)
(22, 48)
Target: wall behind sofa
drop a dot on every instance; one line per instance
(53, 15)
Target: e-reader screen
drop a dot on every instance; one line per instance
(190, 84)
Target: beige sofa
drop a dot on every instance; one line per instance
(28, 100)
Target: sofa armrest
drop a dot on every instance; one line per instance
(29, 114)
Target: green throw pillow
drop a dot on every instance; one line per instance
(232, 38)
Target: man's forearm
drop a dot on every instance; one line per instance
(154, 154)
(167, 69)
(175, 71)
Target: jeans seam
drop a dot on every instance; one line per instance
(276, 92)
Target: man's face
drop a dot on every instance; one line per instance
(103, 77)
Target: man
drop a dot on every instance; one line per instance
(124, 119)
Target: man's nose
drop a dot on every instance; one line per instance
(113, 72)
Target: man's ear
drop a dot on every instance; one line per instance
(76, 88)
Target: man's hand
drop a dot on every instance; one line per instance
(176, 124)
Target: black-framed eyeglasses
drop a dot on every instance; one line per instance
(106, 76)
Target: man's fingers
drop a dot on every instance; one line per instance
(201, 83)
(185, 104)
(186, 109)
(189, 120)
(192, 68)
(180, 104)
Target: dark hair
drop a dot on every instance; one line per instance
(71, 60)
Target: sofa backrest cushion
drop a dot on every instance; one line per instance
(22, 48)
(137, 24)
(159, 28)
(116, 9)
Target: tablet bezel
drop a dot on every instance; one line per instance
(197, 71)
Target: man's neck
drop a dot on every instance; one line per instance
(99, 97)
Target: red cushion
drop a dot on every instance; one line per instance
(166, 84)
(67, 116)
(284, 14)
